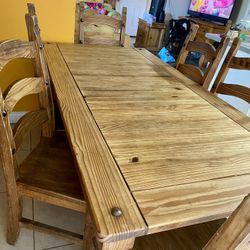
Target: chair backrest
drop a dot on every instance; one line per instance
(40, 65)
(11, 139)
(213, 56)
(235, 232)
(92, 28)
(233, 62)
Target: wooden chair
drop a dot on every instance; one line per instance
(91, 27)
(234, 233)
(200, 75)
(232, 62)
(35, 176)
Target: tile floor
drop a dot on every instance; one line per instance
(42, 212)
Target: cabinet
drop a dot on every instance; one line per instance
(150, 36)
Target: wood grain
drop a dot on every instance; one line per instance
(192, 237)
(235, 232)
(192, 203)
(12, 49)
(103, 182)
(224, 107)
(41, 70)
(24, 126)
(22, 88)
(183, 152)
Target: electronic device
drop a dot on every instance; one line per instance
(214, 10)
(157, 9)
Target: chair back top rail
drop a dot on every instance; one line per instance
(12, 49)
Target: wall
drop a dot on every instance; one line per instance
(177, 8)
(56, 20)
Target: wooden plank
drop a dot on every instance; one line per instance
(224, 107)
(182, 205)
(22, 88)
(99, 174)
(11, 49)
(235, 232)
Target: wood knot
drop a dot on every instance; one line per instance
(135, 159)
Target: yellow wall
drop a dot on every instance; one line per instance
(56, 20)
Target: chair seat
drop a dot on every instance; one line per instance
(186, 238)
(50, 166)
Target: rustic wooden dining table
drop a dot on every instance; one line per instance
(154, 151)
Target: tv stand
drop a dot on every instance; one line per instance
(206, 26)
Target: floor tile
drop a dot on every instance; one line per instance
(66, 247)
(46, 241)
(25, 240)
(58, 217)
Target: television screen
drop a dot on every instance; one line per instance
(216, 8)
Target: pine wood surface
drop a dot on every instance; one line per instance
(168, 135)
(235, 232)
(103, 182)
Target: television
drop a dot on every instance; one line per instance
(214, 10)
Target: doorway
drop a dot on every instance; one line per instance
(136, 9)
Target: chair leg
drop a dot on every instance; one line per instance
(14, 215)
(89, 234)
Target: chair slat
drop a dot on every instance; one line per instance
(24, 126)
(206, 49)
(12, 49)
(239, 91)
(21, 89)
(44, 228)
(101, 40)
(240, 63)
(89, 19)
(193, 72)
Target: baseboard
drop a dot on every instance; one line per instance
(15, 116)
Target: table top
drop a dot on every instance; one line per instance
(148, 140)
